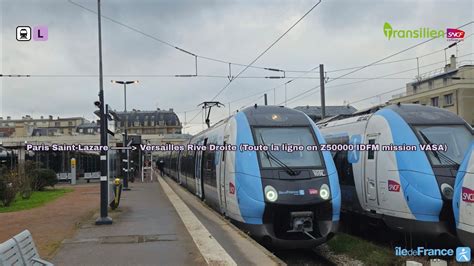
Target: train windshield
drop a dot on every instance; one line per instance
(457, 139)
(300, 136)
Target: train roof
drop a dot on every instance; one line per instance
(413, 114)
(426, 115)
(271, 115)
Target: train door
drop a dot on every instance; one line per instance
(370, 175)
(199, 170)
(222, 181)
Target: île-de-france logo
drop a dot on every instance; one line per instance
(451, 34)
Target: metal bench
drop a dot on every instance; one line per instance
(21, 250)
(10, 253)
(93, 175)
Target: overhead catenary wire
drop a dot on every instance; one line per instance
(377, 61)
(386, 76)
(266, 50)
(180, 49)
(395, 54)
(167, 76)
(263, 53)
(396, 61)
(361, 81)
(305, 72)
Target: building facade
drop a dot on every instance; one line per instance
(452, 89)
(157, 122)
(28, 126)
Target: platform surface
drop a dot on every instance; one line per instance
(160, 223)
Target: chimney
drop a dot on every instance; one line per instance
(50, 117)
(1, 118)
(42, 117)
(8, 118)
(171, 109)
(451, 65)
(452, 61)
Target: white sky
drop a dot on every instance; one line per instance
(338, 34)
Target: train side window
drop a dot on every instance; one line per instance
(209, 173)
(183, 163)
(371, 153)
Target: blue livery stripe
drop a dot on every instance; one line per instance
(417, 179)
(247, 175)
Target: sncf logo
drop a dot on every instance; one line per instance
(393, 186)
(454, 34)
(467, 194)
(231, 188)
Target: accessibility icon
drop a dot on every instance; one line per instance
(23, 33)
(463, 254)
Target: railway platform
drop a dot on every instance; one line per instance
(160, 223)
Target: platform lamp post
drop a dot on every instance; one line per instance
(104, 218)
(125, 125)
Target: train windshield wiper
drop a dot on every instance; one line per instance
(439, 155)
(269, 155)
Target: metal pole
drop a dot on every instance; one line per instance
(285, 92)
(418, 69)
(265, 97)
(103, 219)
(274, 96)
(323, 99)
(125, 142)
(445, 57)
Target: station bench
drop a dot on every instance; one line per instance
(21, 250)
(91, 176)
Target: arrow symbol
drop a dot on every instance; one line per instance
(123, 148)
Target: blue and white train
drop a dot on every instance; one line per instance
(409, 190)
(463, 199)
(285, 200)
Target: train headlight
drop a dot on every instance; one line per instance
(447, 191)
(271, 194)
(324, 192)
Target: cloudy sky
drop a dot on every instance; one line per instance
(338, 33)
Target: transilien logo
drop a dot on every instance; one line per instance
(421, 33)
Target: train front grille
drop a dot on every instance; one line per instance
(289, 221)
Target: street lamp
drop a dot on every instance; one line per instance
(125, 124)
(104, 183)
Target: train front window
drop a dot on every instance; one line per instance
(457, 139)
(277, 136)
